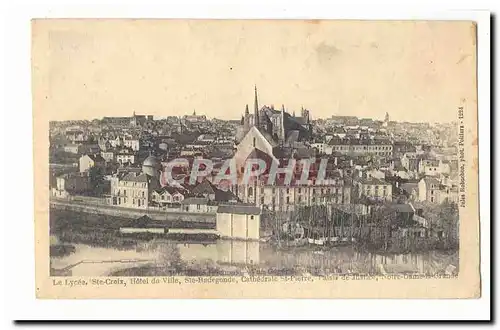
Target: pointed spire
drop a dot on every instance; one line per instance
(256, 108)
(247, 112)
(194, 112)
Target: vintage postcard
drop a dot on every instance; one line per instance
(255, 158)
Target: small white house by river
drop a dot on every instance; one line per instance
(239, 221)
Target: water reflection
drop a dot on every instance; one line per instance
(242, 253)
(222, 251)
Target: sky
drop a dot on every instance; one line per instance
(415, 71)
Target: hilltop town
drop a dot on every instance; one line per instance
(396, 179)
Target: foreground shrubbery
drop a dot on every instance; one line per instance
(61, 250)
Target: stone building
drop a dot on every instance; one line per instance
(132, 189)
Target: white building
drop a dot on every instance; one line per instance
(198, 205)
(375, 189)
(360, 147)
(238, 221)
(88, 161)
(428, 190)
(133, 144)
(431, 190)
(126, 158)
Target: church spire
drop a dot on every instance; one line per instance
(256, 109)
(247, 112)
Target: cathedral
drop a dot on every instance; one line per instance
(277, 125)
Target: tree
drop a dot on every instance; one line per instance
(96, 178)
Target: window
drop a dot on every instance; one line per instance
(254, 141)
(300, 190)
(288, 200)
(143, 194)
(287, 190)
(251, 217)
(250, 191)
(432, 199)
(261, 190)
(262, 200)
(300, 199)
(198, 207)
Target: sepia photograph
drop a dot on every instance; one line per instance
(255, 158)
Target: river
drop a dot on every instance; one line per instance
(164, 257)
(228, 256)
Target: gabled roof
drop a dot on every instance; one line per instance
(170, 190)
(205, 187)
(96, 158)
(430, 180)
(259, 154)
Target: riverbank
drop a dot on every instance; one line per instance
(394, 245)
(132, 213)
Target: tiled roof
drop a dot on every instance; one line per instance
(131, 177)
(195, 201)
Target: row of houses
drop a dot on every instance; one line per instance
(355, 147)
